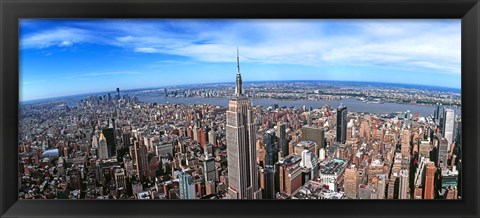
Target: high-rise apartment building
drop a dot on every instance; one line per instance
(187, 187)
(212, 137)
(282, 138)
(141, 159)
(350, 183)
(429, 186)
(120, 177)
(404, 185)
(442, 153)
(405, 147)
(271, 154)
(438, 113)
(209, 168)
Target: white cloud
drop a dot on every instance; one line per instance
(66, 43)
(146, 50)
(432, 45)
(124, 38)
(62, 37)
(33, 82)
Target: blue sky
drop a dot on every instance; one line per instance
(61, 57)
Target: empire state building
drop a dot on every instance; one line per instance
(241, 154)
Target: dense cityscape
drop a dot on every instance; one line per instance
(114, 146)
(321, 90)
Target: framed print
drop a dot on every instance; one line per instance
(222, 108)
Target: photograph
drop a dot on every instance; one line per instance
(260, 109)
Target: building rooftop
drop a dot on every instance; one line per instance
(315, 190)
(53, 153)
(306, 144)
(448, 172)
(334, 166)
(143, 195)
(291, 160)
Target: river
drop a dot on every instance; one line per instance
(351, 103)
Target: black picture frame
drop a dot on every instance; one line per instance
(11, 10)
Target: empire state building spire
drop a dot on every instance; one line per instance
(238, 88)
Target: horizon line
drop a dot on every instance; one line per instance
(146, 88)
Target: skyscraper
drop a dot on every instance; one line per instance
(438, 113)
(442, 153)
(271, 155)
(141, 161)
(341, 123)
(269, 182)
(316, 134)
(429, 186)
(419, 173)
(403, 189)
(405, 147)
(212, 138)
(448, 125)
(120, 181)
(102, 152)
(241, 153)
(209, 168)
(351, 182)
(282, 138)
(202, 138)
(406, 119)
(109, 134)
(187, 187)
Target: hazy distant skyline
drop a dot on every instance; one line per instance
(60, 57)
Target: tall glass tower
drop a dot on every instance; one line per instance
(341, 123)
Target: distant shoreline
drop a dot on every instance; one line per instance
(324, 82)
